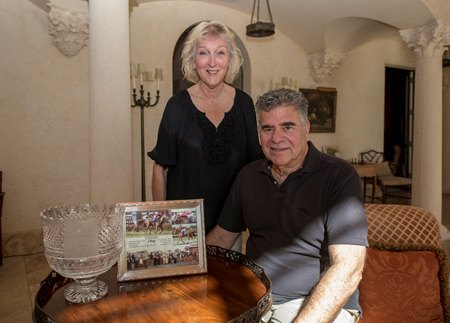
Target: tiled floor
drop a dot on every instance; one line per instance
(20, 277)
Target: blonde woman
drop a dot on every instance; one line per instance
(207, 132)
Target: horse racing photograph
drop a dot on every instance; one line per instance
(162, 239)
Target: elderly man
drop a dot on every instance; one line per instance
(305, 214)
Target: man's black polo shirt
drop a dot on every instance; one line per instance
(292, 224)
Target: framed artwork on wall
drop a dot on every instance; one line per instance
(162, 238)
(321, 108)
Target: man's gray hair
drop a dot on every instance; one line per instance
(283, 98)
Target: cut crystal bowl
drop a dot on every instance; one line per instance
(81, 242)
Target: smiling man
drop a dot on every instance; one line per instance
(304, 211)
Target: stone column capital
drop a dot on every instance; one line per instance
(323, 64)
(69, 27)
(428, 40)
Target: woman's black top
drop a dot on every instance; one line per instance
(203, 160)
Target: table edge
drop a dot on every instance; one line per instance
(255, 313)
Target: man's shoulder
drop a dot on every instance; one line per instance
(252, 170)
(337, 163)
(255, 166)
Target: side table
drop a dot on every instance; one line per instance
(235, 289)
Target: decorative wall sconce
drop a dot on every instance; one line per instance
(139, 73)
(258, 28)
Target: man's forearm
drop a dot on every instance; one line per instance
(221, 238)
(333, 290)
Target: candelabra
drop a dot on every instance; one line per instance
(143, 102)
(287, 83)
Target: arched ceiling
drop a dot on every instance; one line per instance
(316, 25)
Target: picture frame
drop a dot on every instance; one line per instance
(162, 239)
(321, 108)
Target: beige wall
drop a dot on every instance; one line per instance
(360, 85)
(43, 123)
(44, 113)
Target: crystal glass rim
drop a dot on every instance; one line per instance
(52, 212)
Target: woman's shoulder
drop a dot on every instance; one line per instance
(178, 107)
(178, 98)
(244, 101)
(179, 102)
(241, 95)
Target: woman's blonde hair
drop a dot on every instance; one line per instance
(212, 28)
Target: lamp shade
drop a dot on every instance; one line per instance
(158, 74)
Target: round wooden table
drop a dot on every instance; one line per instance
(235, 289)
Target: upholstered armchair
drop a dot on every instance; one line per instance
(405, 278)
(386, 178)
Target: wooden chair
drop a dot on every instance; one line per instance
(385, 176)
(372, 156)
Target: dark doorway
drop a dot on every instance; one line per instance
(398, 114)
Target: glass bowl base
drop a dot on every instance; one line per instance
(85, 291)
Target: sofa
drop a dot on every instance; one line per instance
(405, 278)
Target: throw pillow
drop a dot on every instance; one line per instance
(404, 284)
(383, 169)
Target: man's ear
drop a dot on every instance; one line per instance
(307, 127)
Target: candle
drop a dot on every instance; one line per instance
(158, 76)
(133, 75)
(141, 71)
